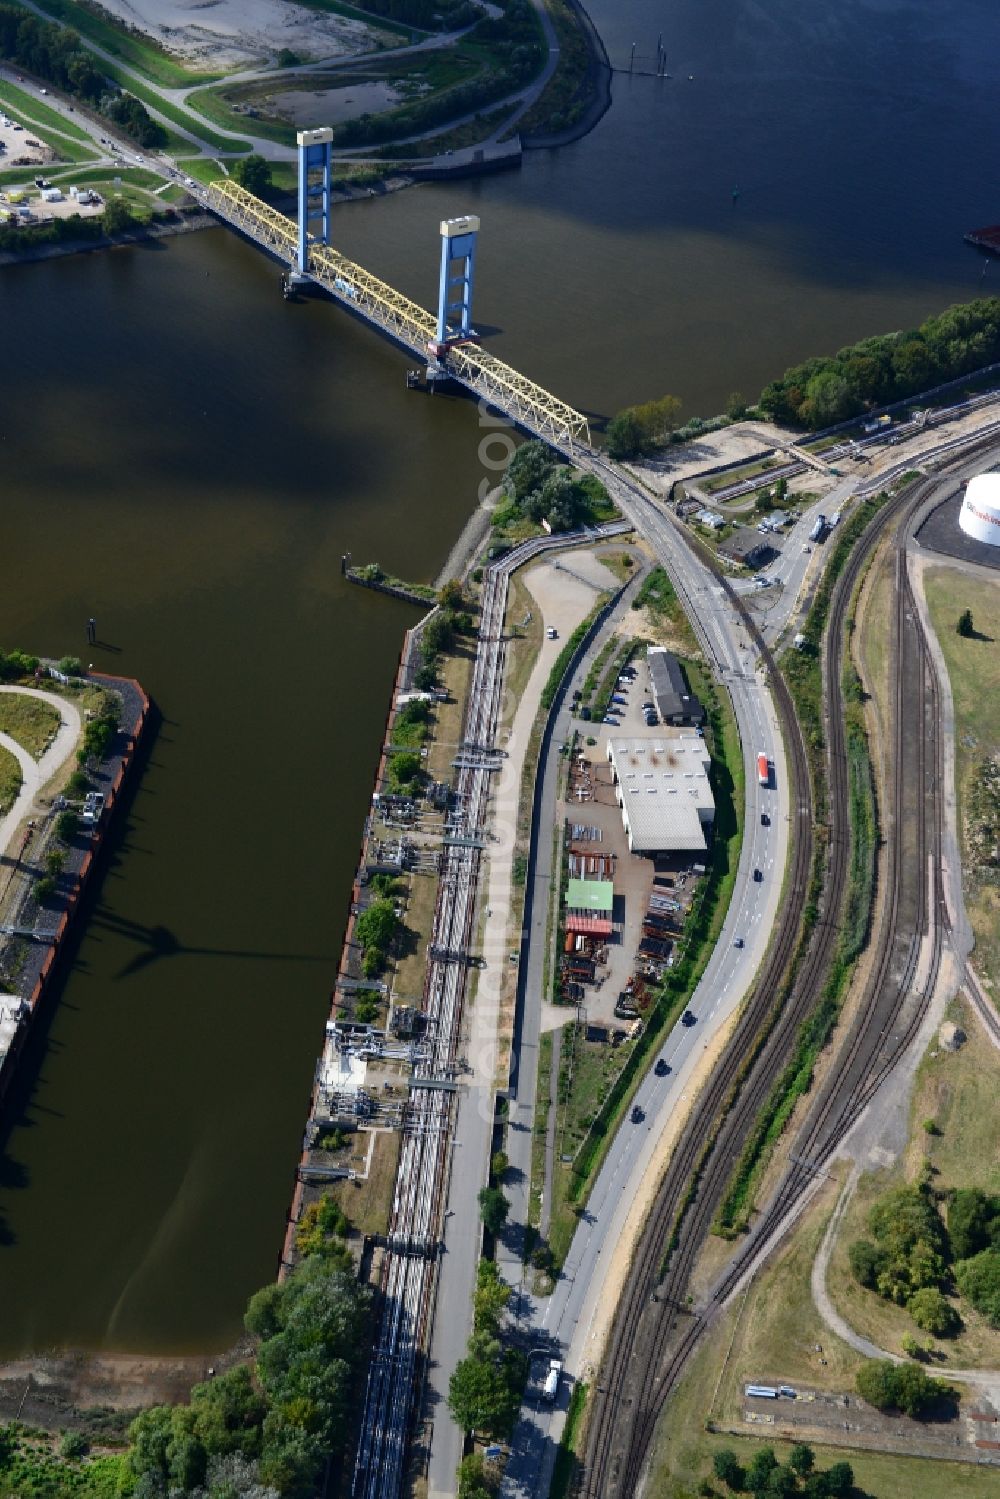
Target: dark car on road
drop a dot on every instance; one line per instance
(662, 1068)
(637, 1115)
(689, 1018)
(765, 821)
(758, 875)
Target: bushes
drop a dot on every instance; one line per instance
(979, 1279)
(134, 118)
(16, 663)
(973, 1222)
(640, 430)
(276, 1425)
(51, 51)
(493, 1208)
(899, 1387)
(887, 368)
(374, 930)
(539, 487)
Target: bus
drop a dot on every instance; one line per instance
(763, 770)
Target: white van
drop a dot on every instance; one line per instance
(550, 1388)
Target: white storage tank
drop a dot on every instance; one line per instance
(980, 513)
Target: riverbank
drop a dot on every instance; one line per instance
(179, 221)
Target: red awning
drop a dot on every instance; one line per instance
(591, 926)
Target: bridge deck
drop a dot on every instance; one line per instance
(528, 405)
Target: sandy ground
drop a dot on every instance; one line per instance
(231, 33)
(46, 1390)
(17, 151)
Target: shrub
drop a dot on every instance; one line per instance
(70, 666)
(979, 1279)
(66, 825)
(867, 1262)
(905, 1387)
(73, 1445)
(931, 1312)
(499, 1164)
(493, 1208)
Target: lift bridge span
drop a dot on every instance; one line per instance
(526, 404)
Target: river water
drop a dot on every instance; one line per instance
(186, 457)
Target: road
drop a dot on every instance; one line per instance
(564, 1322)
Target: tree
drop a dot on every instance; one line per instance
(253, 173)
(801, 1459)
(965, 627)
(73, 1445)
(492, 1295)
(867, 1262)
(979, 1279)
(66, 825)
(451, 594)
(931, 1312)
(876, 1382)
(438, 635)
(484, 1394)
(840, 1480)
(493, 1208)
(762, 1465)
(118, 216)
(727, 1467)
(70, 666)
(475, 1479)
(970, 1215)
(376, 925)
(528, 469)
(625, 435)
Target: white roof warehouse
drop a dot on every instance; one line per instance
(663, 790)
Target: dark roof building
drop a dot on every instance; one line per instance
(746, 548)
(674, 703)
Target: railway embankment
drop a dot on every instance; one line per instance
(55, 850)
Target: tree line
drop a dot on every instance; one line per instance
(56, 53)
(887, 368)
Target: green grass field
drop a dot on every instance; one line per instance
(974, 672)
(22, 103)
(30, 721)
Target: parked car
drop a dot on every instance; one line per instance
(552, 633)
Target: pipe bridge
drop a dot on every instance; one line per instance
(527, 405)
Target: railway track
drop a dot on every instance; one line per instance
(645, 1359)
(409, 1265)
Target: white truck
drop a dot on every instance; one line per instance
(550, 1388)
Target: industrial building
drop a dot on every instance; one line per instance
(589, 907)
(663, 789)
(674, 703)
(979, 516)
(746, 548)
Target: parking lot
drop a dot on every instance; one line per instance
(21, 147)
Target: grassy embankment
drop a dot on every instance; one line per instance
(598, 1088)
(974, 673)
(803, 672)
(30, 721)
(565, 97)
(133, 49)
(567, 1465)
(776, 1334)
(10, 780)
(956, 1091)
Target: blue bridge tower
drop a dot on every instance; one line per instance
(314, 188)
(458, 266)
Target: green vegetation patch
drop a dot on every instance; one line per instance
(10, 779)
(29, 720)
(567, 95)
(567, 1464)
(180, 117)
(973, 663)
